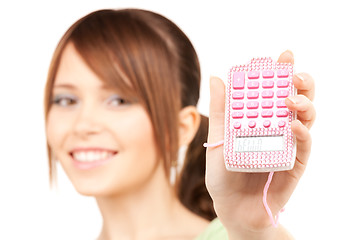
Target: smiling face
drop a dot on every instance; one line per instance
(104, 142)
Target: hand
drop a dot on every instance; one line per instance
(238, 196)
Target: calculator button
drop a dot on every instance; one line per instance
(253, 95)
(252, 114)
(267, 123)
(267, 114)
(267, 94)
(238, 95)
(238, 80)
(237, 125)
(253, 85)
(252, 105)
(280, 104)
(237, 105)
(268, 84)
(282, 113)
(268, 74)
(253, 74)
(237, 114)
(282, 124)
(267, 104)
(282, 73)
(252, 124)
(282, 83)
(282, 93)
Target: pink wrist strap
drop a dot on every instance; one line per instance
(219, 143)
(274, 220)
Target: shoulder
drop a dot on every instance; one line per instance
(215, 231)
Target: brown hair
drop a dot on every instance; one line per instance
(148, 58)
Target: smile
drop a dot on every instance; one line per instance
(90, 158)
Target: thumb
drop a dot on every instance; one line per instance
(217, 110)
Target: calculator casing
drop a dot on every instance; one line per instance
(243, 146)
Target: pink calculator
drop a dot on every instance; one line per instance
(258, 136)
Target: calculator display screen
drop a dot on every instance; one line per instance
(259, 144)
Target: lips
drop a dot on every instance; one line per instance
(88, 158)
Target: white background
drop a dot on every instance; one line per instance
(324, 36)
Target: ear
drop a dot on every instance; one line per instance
(189, 121)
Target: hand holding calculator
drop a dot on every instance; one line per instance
(258, 136)
(248, 143)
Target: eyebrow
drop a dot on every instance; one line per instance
(103, 86)
(71, 86)
(64, 85)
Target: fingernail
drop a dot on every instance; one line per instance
(291, 99)
(300, 77)
(290, 52)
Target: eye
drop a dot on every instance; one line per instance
(64, 100)
(116, 100)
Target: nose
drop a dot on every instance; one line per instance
(87, 122)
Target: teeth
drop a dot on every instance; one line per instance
(91, 156)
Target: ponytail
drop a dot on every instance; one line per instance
(191, 187)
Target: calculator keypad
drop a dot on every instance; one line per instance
(260, 94)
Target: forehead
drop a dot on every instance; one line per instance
(74, 70)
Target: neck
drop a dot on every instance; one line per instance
(151, 212)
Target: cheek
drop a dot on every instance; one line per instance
(56, 129)
(53, 134)
(138, 149)
(137, 159)
(135, 132)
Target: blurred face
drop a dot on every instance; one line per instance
(104, 142)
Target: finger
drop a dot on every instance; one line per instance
(286, 57)
(214, 155)
(217, 110)
(305, 109)
(303, 139)
(305, 85)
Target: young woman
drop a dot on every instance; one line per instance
(120, 101)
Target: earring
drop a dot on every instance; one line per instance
(176, 166)
(173, 172)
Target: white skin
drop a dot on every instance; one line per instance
(131, 187)
(133, 193)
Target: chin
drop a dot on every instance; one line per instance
(98, 191)
(105, 186)
(91, 190)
